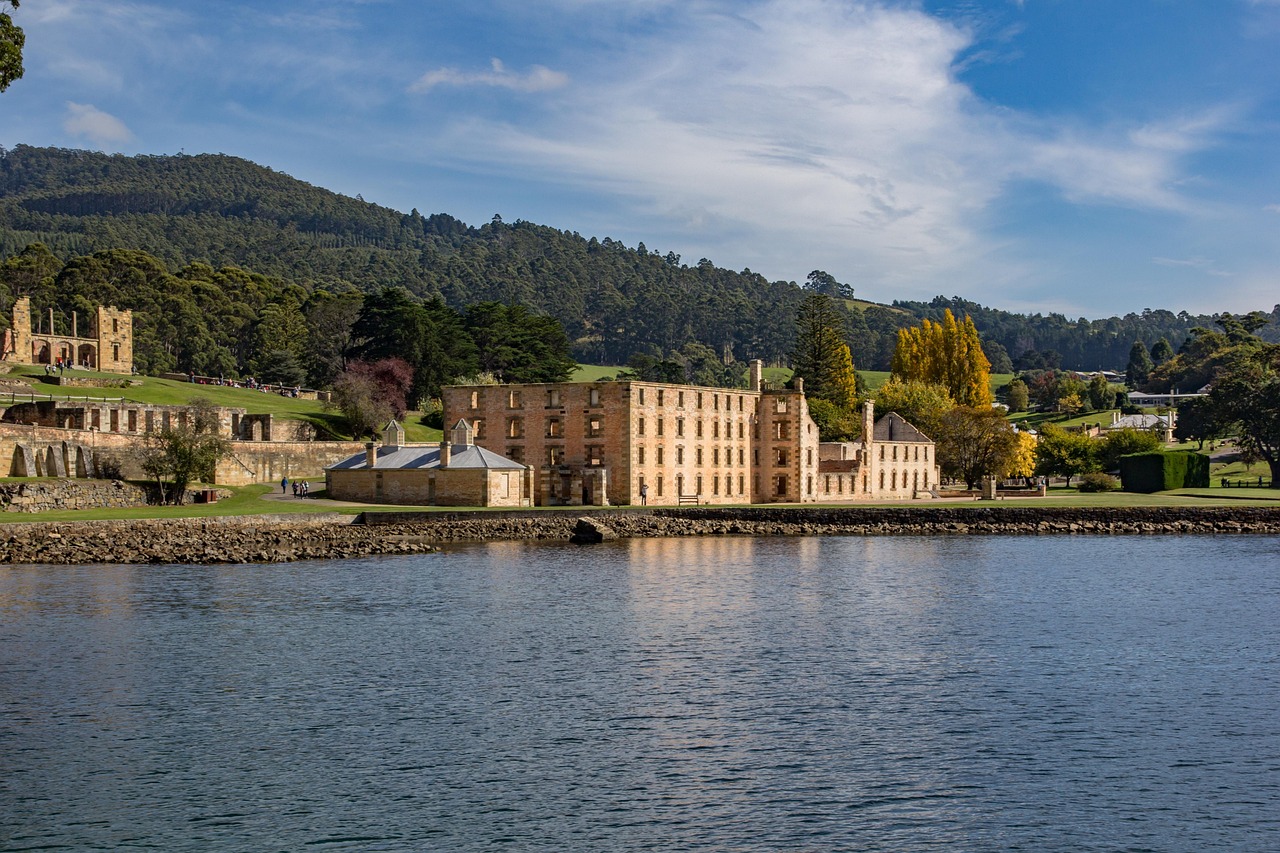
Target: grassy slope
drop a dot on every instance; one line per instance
(169, 392)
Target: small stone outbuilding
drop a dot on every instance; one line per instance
(456, 472)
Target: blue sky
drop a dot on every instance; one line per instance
(1092, 157)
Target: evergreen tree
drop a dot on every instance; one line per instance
(1140, 366)
(821, 357)
(1102, 394)
(1017, 397)
(1161, 351)
(12, 40)
(1246, 402)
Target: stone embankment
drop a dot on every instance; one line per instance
(247, 539)
(290, 537)
(586, 527)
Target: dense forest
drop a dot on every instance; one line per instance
(237, 237)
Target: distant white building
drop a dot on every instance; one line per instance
(1138, 398)
(1151, 423)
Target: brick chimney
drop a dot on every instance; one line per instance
(370, 454)
(757, 375)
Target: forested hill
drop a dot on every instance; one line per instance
(222, 210)
(613, 300)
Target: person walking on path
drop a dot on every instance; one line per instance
(284, 485)
(644, 494)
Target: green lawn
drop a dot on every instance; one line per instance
(248, 500)
(170, 392)
(1037, 419)
(595, 373)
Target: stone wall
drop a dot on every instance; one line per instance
(41, 495)
(249, 461)
(263, 462)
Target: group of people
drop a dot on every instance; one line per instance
(300, 490)
(62, 364)
(250, 383)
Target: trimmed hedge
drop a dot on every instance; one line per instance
(1162, 471)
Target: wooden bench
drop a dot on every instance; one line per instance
(689, 499)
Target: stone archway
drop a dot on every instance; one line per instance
(87, 356)
(41, 353)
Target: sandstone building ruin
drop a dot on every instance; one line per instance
(108, 348)
(602, 443)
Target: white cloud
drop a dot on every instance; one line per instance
(86, 120)
(538, 78)
(831, 131)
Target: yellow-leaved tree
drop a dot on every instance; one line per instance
(947, 353)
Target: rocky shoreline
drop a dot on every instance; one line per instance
(282, 538)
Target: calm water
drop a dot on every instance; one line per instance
(720, 694)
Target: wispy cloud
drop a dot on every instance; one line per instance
(1205, 265)
(537, 79)
(89, 122)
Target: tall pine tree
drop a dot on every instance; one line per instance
(821, 357)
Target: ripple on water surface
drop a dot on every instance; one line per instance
(978, 693)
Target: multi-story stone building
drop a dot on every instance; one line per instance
(108, 348)
(597, 443)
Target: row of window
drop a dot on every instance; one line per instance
(594, 426)
(906, 453)
(554, 399)
(699, 399)
(555, 455)
(661, 424)
(717, 483)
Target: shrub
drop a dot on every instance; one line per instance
(1096, 481)
(1158, 472)
(433, 413)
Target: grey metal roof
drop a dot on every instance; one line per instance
(428, 456)
(1139, 422)
(894, 427)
